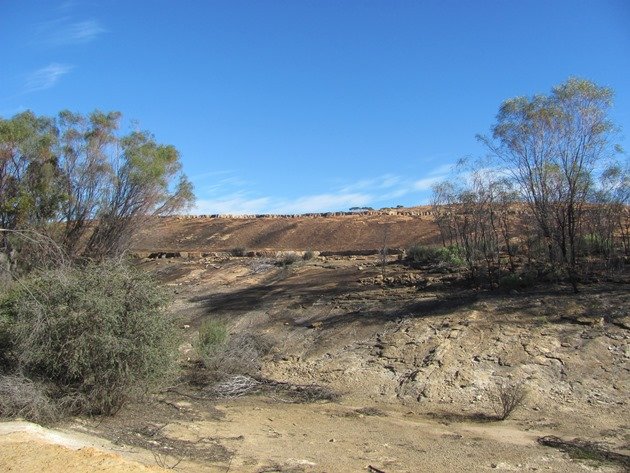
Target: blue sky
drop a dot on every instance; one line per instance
(301, 106)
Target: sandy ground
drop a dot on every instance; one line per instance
(27, 447)
(263, 436)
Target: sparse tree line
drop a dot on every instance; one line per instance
(552, 197)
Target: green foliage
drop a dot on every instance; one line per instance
(30, 183)
(550, 193)
(213, 336)
(596, 244)
(552, 146)
(6, 340)
(79, 170)
(450, 255)
(97, 333)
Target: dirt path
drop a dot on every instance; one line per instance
(327, 438)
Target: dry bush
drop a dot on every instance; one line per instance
(584, 450)
(229, 366)
(223, 355)
(235, 386)
(507, 397)
(22, 397)
(288, 259)
(301, 393)
(241, 385)
(239, 251)
(370, 411)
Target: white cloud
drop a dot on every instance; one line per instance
(232, 204)
(68, 5)
(64, 31)
(382, 182)
(322, 203)
(240, 203)
(426, 183)
(80, 32)
(399, 192)
(46, 77)
(230, 195)
(389, 181)
(206, 175)
(442, 170)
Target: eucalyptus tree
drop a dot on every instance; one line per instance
(553, 146)
(81, 181)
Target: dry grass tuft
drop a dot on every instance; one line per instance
(22, 397)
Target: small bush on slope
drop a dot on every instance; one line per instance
(223, 354)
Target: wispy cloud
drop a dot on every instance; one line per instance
(205, 175)
(382, 182)
(229, 194)
(322, 203)
(68, 5)
(65, 31)
(240, 203)
(428, 182)
(442, 170)
(234, 204)
(46, 77)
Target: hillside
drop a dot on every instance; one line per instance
(333, 232)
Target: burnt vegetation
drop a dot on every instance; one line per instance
(550, 202)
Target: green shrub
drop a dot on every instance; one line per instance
(595, 244)
(308, 255)
(98, 334)
(213, 336)
(450, 255)
(6, 339)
